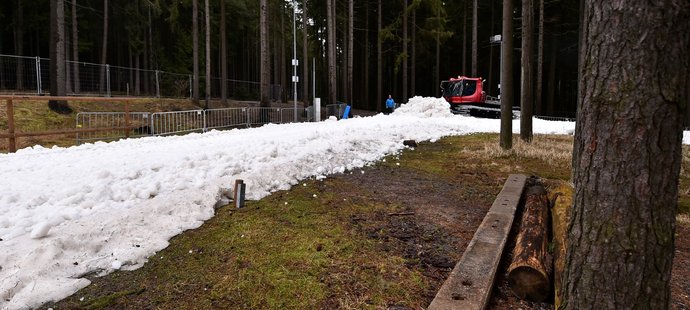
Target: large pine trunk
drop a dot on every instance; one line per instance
(75, 49)
(379, 65)
(404, 54)
(507, 77)
(207, 18)
(634, 87)
(104, 48)
(265, 75)
(474, 38)
(350, 49)
(57, 55)
(527, 91)
(195, 50)
(413, 61)
(305, 56)
(19, 43)
(332, 86)
(540, 62)
(223, 57)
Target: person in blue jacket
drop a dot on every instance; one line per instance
(390, 104)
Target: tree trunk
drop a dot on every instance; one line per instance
(540, 62)
(507, 77)
(57, 56)
(130, 87)
(68, 75)
(150, 32)
(551, 82)
(104, 47)
(379, 65)
(413, 62)
(137, 81)
(350, 49)
(367, 53)
(19, 42)
(489, 78)
(223, 57)
(265, 55)
(207, 12)
(75, 49)
(282, 57)
(404, 54)
(195, 50)
(464, 38)
(437, 67)
(474, 39)
(627, 154)
(530, 269)
(527, 89)
(305, 56)
(332, 87)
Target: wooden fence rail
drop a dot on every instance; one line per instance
(12, 134)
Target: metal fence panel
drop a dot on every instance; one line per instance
(226, 118)
(262, 116)
(95, 120)
(18, 74)
(166, 123)
(287, 115)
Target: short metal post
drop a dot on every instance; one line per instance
(190, 86)
(158, 86)
(127, 119)
(38, 75)
(107, 75)
(10, 127)
(203, 115)
(238, 193)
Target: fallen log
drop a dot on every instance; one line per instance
(561, 197)
(530, 270)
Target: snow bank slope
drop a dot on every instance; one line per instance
(67, 212)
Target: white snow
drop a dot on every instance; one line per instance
(95, 208)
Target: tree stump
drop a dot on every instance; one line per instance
(530, 270)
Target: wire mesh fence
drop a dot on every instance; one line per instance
(92, 120)
(31, 75)
(180, 122)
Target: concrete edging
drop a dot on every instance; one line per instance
(469, 284)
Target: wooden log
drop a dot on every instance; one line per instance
(561, 197)
(530, 270)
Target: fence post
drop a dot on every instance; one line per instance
(10, 127)
(38, 75)
(203, 115)
(158, 86)
(127, 119)
(190, 86)
(107, 76)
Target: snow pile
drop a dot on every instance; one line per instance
(425, 107)
(70, 212)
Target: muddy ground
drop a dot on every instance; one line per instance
(429, 216)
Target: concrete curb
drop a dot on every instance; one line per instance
(469, 284)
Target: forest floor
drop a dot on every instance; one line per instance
(381, 237)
